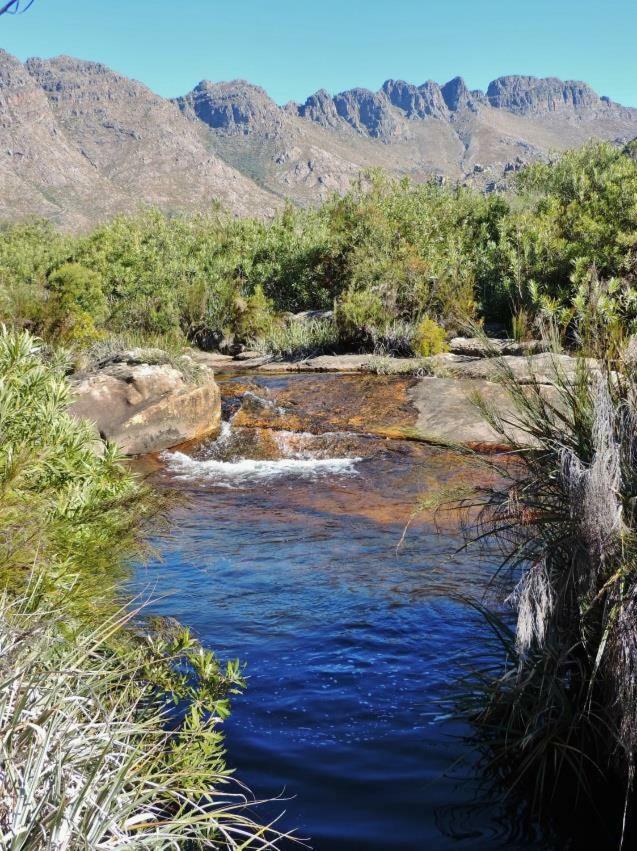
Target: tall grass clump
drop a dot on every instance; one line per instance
(561, 722)
(298, 339)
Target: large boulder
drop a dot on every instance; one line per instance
(147, 407)
(447, 412)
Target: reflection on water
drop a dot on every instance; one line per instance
(350, 639)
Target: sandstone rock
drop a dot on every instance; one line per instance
(236, 107)
(447, 412)
(417, 101)
(546, 368)
(477, 347)
(534, 96)
(367, 112)
(146, 407)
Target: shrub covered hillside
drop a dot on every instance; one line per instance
(395, 260)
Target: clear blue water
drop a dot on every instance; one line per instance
(351, 641)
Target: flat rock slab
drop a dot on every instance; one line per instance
(447, 412)
(485, 347)
(546, 368)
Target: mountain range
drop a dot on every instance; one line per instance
(79, 142)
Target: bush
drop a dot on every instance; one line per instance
(27, 252)
(91, 752)
(561, 720)
(429, 338)
(359, 314)
(386, 252)
(75, 305)
(253, 316)
(296, 339)
(108, 736)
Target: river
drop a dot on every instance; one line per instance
(299, 553)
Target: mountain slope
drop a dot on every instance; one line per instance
(86, 143)
(79, 142)
(306, 150)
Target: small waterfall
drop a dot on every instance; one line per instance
(235, 459)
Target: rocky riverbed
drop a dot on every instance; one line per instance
(146, 402)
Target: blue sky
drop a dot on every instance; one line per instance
(293, 47)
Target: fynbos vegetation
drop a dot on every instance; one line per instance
(560, 723)
(108, 736)
(396, 261)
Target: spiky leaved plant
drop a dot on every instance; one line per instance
(87, 760)
(109, 737)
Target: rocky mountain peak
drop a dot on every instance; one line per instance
(526, 95)
(367, 112)
(236, 106)
(457, 96)
(321, 109)
(416, 101)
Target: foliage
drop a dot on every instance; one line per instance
(75, 303)
(359, 315)
(109, 736)
(90, 752)
(64, 502)
(386, 252)
(576, 214)
(562, 719)
(27, 253)
(299, 339)
(429, 338)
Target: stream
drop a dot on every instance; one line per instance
(298, 552)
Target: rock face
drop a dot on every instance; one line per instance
(533, 96)
(237, 107)
(79, 142)
(146, 407)
(416, 101)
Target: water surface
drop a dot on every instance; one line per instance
(292, 555)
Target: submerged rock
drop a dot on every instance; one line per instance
(147, 407)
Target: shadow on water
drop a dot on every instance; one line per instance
(351, 637)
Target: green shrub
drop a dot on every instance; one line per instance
(358, 314)
(386, 252)
(27, 252)
(75, 304)
(253, 316)
(298, 339)
(64, 502)
(93, 755)
(429, 338)
(94, 752)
